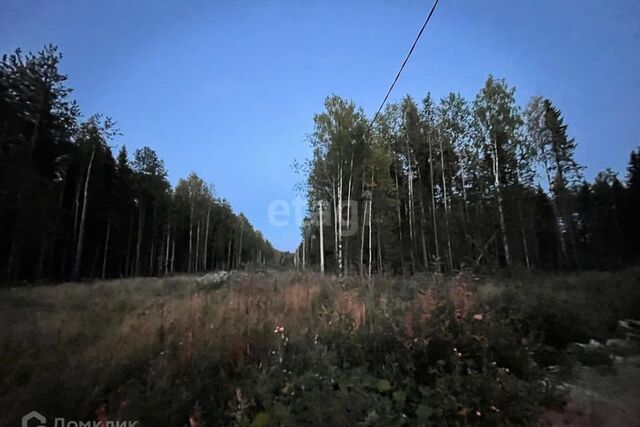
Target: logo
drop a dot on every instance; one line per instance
(36, 419)
(33, 415)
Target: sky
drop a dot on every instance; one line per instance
(228, 88)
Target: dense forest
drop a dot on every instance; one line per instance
(70, 210)
(458, 184)
(432, 186)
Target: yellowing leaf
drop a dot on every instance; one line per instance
(383, 385)
(260, 420)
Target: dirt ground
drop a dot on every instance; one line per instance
(601, 396)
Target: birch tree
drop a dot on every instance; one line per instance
(497, 120)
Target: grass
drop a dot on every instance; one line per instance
(266, 349)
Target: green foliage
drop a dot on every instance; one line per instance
(455, 186)
(477, 358)
(293, 349)
(573, 309)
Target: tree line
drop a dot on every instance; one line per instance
(453, 184)
(70, 210)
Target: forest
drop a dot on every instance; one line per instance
(454, 184)
(69, 209)
(456, 267)
(439, 186)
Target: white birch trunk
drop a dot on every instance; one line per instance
(190, 238)
(304, 250)
(240, 244)
(168, 247)
(321, 239)
(340, 254)
(106, 249)
(346, 243)
(364, 223)
(370, 229)
(173, 251)
(197, 260)
(206, 237)
(335, 220)
(446, 206)
(433, 207)
(83, 219)
(503, 226)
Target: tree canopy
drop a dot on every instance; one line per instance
(458, 184)
(69, 209)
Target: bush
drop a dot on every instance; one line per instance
(298, 349)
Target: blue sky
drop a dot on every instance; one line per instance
(228, 88)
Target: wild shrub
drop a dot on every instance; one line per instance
(299, 349)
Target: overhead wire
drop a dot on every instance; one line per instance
(406, 59)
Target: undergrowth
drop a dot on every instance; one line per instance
(293, 349)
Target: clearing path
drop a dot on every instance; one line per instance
(605, 395)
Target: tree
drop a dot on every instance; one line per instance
(37, 121)
(69, 209)
(338, 145)
(555, 151)
(152, 189)
(496, 123)
(631, 209)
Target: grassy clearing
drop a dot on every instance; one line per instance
(292, 349)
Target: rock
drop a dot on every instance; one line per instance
(622, 347)
(629, 326)
(632, 336)
(214, 278)
(630, 329)
(632, 323)
(593, 345)
(591, 354)
(620, 343)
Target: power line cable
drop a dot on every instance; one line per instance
(413, 46)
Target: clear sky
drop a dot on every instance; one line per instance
(228, 88)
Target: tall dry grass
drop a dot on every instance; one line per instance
(102, 327)
(66, 349)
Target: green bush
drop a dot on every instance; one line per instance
(419, 351)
